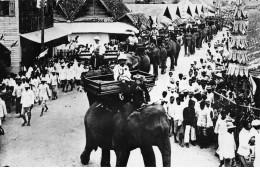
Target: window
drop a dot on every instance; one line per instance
(7, 8)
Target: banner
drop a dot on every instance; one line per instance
(43, 53)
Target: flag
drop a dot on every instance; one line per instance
(14, 44)
(178, 12)
(43, 53)
(202, 9)
(189, 11)
(38, 3)
(196, 10)
(2, 37)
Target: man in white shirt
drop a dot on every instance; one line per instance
(17, 93)
(63, 76)
(121, 70)
(54, 85)
(27, 102)
(97, 50)
(132, 41)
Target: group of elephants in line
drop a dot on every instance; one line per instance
(169, 45)
(123, 128)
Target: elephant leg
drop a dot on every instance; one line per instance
(122, 158)
(105, 160)
(155, 70)
(148, 156)
(172, 62)
(165, 148)
(185, 49)
(85, 156)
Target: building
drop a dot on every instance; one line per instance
(20, 25)
(89, 18)
(9, 31)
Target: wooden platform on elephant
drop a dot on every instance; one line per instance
(102, 88)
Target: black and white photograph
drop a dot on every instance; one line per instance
(129, 83)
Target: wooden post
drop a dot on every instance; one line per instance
(42, 25)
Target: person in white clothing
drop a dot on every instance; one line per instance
(27, 102)
(244, 148)
(132, 40)
(79, 71)
(44, 94)
(256, 135)
(70, 78)
(54, 85)
(229, 145)
(97, 50)
(63, 77)
(121, 70)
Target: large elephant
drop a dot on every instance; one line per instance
(202, 37)
(153, 52)
(126, 129)
(138, 61)
(173, 48)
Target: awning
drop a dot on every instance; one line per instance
(97, 27)
(50, 34)
(5, 55)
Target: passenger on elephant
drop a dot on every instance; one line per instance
(154, 33)
(132, 40)
(97, 51)
(170, 28)
(141, 88)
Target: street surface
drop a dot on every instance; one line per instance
(57, 139)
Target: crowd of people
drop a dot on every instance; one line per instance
(196, 117)
(37, 85)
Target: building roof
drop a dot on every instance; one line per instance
(71, 8)
(148, 9)
(116, 7)
(138, 19)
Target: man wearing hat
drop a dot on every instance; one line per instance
(44, 94)
(98, 50)
(54, 84)
(17, 93)
(154, 33)
(121, 70)
(27, 102)
(132, 40)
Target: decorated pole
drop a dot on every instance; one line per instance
(238, 59)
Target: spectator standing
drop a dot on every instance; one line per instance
(27, 101)
(189, 122)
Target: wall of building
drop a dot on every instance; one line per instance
(9, 27)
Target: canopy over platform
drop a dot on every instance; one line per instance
(50, 34)
(98, 27)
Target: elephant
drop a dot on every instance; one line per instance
(138, 61)
(126, 129)
(153, 52)
(173, 48)
(187, 41)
